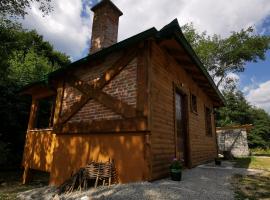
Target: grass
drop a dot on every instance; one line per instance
(11, 185)
(260, 152)
(253, 162)
(251, 187)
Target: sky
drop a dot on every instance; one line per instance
(68, 28)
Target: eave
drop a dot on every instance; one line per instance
(169, 32)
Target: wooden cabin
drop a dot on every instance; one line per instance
(141, 102)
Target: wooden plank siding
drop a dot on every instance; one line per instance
(165, 73)
(129, 119)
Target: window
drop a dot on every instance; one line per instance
(45, 113)
(193, 103)
(208, 121)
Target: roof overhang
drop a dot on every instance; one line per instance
(175, 43)
(234, 127)
(40, 89)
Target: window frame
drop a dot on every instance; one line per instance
(195, 111)
(208, 121)
(51, 109)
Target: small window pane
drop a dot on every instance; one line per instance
(208, 121)
(193, 103)
(45, 113)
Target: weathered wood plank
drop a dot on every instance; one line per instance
(33, 114)
(58, 101)
(103, 126)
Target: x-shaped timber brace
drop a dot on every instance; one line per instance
(133, 118)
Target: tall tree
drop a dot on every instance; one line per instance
(239, 111)
(222, 56)
(24, 57)
(18, 8)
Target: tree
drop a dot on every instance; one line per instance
(260, 134)
(222, 56)
(18, 8)
(238, 111)
(24, 57)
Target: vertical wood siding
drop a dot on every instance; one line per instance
(165, 73)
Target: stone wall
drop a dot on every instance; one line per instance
(233, 140)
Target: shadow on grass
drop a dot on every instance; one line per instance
(261, 154)
(252, 186)
(253, 162)
(11, 183)
(242, 162)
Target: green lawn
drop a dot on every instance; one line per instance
(251, 187)
(260, 152)
(253, 162)
(11, 185)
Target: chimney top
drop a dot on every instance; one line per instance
(105, 25)
(103, 2)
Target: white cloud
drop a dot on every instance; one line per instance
(69, 32)
(254, 84)
(65, 28)
(260, 96)
(214, 16)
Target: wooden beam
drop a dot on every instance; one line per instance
(184, 62)
(144, 69)
(143, 79)
(33, 114)
(103, 126)
(178, 53)
(74, 109)
(116, 68)
(107, 100)
(58, 101)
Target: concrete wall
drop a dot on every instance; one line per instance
(234, 141)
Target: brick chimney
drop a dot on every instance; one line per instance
(105, 25)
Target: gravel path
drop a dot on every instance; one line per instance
(203, 182)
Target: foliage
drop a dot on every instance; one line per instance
(176, 164)
(14, 118)
(260, 134)
(24, 57)
(19, 7)
(4, 152)
(222, 56)
(238, 111)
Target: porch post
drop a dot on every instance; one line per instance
(33, 114)
(27, 175)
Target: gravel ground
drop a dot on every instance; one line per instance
(203, 182)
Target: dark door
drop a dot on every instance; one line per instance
(180, 120)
